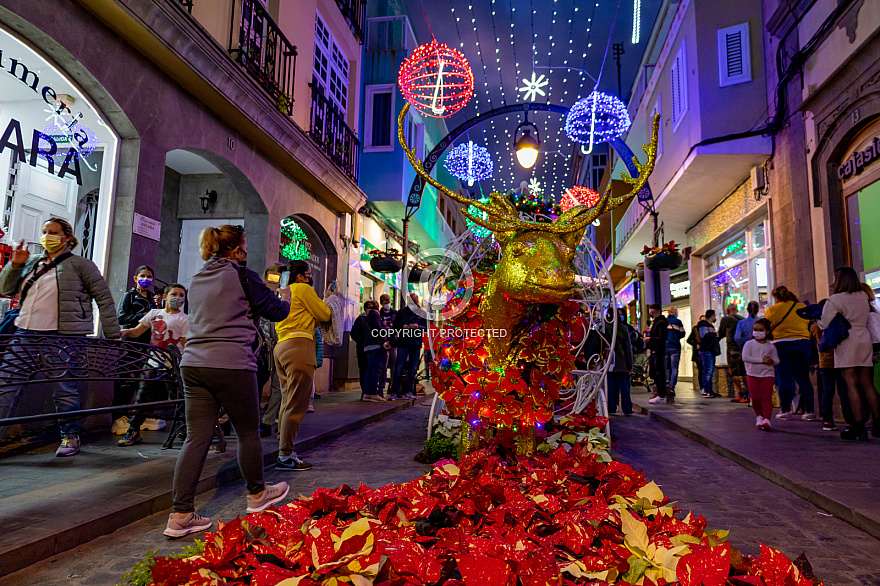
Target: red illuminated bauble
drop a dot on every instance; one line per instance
(578, 196)
(436, 80)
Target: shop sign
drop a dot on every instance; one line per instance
(42, 145)
(873, 279)
(859, 160)
(147, 227)
(680, 289)
(627, 295)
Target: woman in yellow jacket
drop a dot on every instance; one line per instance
(791, 337)
(295, 360)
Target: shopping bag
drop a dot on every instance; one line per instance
(775, 399)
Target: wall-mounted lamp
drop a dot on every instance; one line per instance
(208, 200)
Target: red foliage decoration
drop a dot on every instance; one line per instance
(436, 79)
(524, 394)
(493, 518)
(578, 196)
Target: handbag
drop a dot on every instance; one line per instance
(7, 324)
(836, 332)
(874, 325)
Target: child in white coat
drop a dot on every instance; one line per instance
(760, 356)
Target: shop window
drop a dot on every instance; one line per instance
(864, 206)
(330, 66)
(739, 272)
(597, 170)
(734, 57)
(379, 123)
(678, 78)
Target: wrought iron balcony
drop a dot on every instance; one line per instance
(355, 13)
(188, 4)
(264, 52)
(329, 131)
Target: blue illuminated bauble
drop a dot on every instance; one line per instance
(611, 119)
(469, 162)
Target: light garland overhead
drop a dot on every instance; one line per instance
(469, 162)
(597, 118)
(578, 196)
(637, 21)
(436, 80)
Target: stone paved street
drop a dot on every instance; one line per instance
(731, 497)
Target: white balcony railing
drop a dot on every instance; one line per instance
(627, 225)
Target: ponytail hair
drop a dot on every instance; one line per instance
(67, 229)
(219, 241)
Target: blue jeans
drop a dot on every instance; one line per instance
(65, 392)
(407, 360)
(708, 360)
(794, 366)
(618, 391)
(673, 357)
(371, 378)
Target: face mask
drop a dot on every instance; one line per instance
(145, 283)
(759, 335)
(175, 302)
(51, 242)
(311, 281)
(386, 306)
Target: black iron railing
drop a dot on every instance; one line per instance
(355, 13)
(265, 53)
(335, 138)
(188, 4)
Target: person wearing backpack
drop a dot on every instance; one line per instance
(56, 291)
(219, 369)
(709, 348)
(791, 336)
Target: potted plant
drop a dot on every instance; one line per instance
(386, 261)
(662, 258)
(416, 269)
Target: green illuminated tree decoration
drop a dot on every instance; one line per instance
(293, 241)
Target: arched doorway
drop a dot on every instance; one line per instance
(310, 243)
(191, 174)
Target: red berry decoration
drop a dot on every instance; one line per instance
(436, 80)
(578, 196)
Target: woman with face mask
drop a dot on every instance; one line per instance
(135, 304)
(56, 289)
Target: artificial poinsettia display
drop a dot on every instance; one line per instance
(567, 517)
(524, 393)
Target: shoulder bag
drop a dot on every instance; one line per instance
(7, 324)
(787, 313)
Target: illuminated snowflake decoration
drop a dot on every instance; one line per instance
(79, 138)
(533, 87)
(295, 247)
(469, 162)
(597, 118)
(535, 187)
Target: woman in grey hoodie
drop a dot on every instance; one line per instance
(219, 368)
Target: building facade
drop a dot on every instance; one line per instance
(143, 121)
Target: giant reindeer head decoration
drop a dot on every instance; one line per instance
(536, 258)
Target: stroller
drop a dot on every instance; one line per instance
(639, 375)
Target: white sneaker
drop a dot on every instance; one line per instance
(784, 415)
(809, 417)
(759, 421)
(765, 425)
(120, 426)
(272, 493)
(189, 524)
(409, 396)
(657, 400)
(153, 424)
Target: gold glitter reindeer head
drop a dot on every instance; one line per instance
(536, 258)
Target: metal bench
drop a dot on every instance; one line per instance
(40, 359)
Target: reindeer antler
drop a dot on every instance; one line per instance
(501, 216)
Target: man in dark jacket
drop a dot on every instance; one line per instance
(618, 376)
(409, 327)
(387, 314)
(656, 342)
(727, 330)
(358, 333)
(375, 343)
(674, 334)
(707, 345)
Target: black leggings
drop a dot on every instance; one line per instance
(206, 390)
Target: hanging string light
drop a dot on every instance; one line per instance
(637, 21)
(597, 118)
(469, 162)
(436, 80)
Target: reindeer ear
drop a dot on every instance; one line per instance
(572, 238)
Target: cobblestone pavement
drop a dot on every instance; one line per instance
(731, 497)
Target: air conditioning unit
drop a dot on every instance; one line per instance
(759, 179)
(389, 33)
